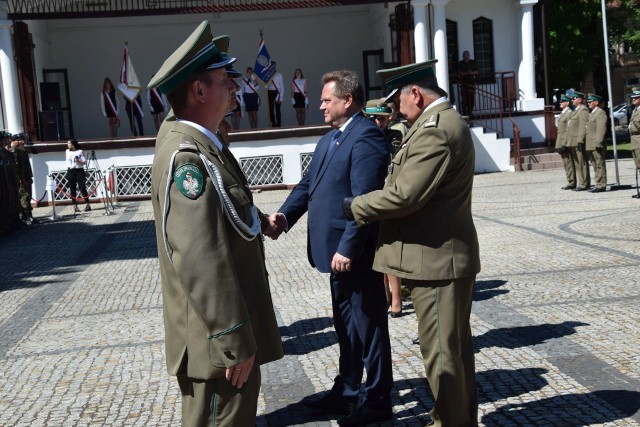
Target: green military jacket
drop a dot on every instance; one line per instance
(217, 302)
(577, 127)
(424, 208)
(596, 129)
(634, 129)
(563, 121)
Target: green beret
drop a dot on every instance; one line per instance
(635, 93)
(396, 78)
(377, 107)
(593, 97)
(5, 134)
(199, 52)
(577, 94)
(565, 98)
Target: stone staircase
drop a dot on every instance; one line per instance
(536, 156)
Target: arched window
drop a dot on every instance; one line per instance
(483, 49)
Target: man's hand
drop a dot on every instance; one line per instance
(346, 207)
(239, 373)
(277, 224)
(340, 264)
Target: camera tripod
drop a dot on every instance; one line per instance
(109, 207)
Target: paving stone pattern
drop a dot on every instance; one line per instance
(555, 317)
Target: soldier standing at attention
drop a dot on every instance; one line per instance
(219, 321)
(634, 132)
(596, 141)
(427, 236)
(561, 143)
(576, 136)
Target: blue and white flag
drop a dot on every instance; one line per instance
(263, 68)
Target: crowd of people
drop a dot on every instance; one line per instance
(372, 194)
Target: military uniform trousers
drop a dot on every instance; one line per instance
(599, 156)
(569, 166)
(443, 308)
(217, 403)
(636, 157)
(582, 169)
(24, 193)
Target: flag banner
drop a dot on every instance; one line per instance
(129, 83)
(263, 68)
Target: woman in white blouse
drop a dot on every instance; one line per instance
(75, 173)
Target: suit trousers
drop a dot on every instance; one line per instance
(582, 169)
(600, 166)
(569, 167)
(217, 403)
(361, 322)
(443, 309)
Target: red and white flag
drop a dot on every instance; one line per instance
(129, 83)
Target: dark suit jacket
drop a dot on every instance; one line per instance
(356, 166)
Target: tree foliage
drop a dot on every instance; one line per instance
(576, 39)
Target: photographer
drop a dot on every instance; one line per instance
(75, 173)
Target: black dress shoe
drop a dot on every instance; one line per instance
(579, 189)
(598, 190)
(568, 187)
(331, 404)
(366, 415)
(396, 314)
(417, 341)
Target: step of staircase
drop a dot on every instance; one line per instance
(538, 158)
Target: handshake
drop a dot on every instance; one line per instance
(274, 225)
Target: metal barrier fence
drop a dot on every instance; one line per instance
(136, 180)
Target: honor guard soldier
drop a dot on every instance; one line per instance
(220, 325)
(597, 142)
(427, 236)
(562, 140)
(634, 132)
(25, 177)
(577, 140)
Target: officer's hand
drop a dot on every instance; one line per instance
(238, 374)
(346, 207)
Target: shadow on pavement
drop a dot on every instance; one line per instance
(524, 336)
(560, 408)
(304, 337)
(59, 248)
(487, 289)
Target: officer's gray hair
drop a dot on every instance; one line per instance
(429, 86)
(347, 83)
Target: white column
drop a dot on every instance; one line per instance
(526, 72)
(440, 43)
(10, 95)
(420, 33)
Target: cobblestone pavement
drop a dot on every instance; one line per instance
(555, 316)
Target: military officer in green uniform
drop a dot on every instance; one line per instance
(25, 177)
(576, 140)
(596, 141)
(8, 185)
(561, 143)
(385, 115)
(427, 236)
(634, 132)
(220, 325)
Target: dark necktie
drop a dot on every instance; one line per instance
(334, 142)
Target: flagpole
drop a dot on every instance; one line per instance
(606, 58)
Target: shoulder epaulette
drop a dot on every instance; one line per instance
(188, 143)
(432, 121)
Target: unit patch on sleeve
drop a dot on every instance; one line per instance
(189, 180)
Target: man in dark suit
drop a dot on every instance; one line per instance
(348, 161)
(219, 321)
(427, 236)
